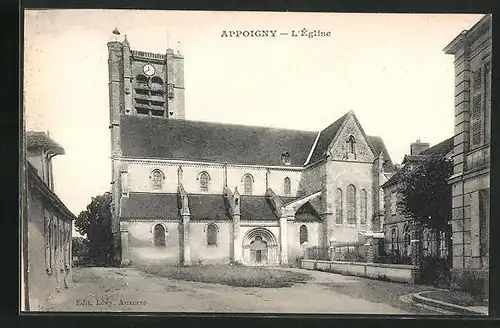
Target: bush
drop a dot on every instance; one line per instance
(434, 270)
(394, 258)
(232, 275)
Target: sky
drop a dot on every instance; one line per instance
(390, 69)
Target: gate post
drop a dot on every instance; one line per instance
(416, 249)
(370, 251)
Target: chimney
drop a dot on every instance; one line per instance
(418, 147)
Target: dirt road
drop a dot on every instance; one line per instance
(130, 290)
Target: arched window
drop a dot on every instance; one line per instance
(338, 206)
(141, 79)
(212, 235)
(351, 205)
(303, 234)
(287, 186)
(157, 80)
(157, 177)
(351, 143)
(363, 206)
(159, 236)
(204, 178)
(248, 184)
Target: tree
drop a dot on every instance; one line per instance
(426, 194)
(95, 224)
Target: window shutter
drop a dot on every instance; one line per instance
(476, 120)
(477, 110)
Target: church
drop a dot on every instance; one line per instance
(190, 192)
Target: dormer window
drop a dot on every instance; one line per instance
(285, 158)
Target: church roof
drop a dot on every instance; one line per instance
(151, 137)
(149, 205)
(256, 208)
(328, 134)
(325, 138)
(212, 142)
(379, 147)
(307, 213)
(203, 207)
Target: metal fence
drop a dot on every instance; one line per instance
(348, 252)
(393, 252)
(318, 253)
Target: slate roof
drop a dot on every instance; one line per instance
(379, 147)
(255, 208)
(307, 213)
(50, 196)
(413, 158)
(41, 139)
(151, 137)
(149, 205)
(214, 142)
(203, 207)
(325, 138)
(439, 150)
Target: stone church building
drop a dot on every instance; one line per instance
(190, 192)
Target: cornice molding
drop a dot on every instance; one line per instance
(174, 162)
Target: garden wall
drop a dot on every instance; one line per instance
(392, 272)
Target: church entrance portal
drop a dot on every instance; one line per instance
(260, 248)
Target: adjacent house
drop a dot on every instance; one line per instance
(470, 182)
(47, 225)
(397, 226)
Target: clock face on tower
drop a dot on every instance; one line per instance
(148, 69)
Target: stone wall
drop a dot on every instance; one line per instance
(340, 175)
(203, 253)
(392, 272)
(295, 250)
(141, 247)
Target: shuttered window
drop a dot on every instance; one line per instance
(480, 102)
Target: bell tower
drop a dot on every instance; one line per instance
(140, 84)
(144, 83)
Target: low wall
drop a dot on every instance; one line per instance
(392, 272)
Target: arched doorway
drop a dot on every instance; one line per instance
(260, 248)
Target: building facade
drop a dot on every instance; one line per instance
(471, 179)
(47, 226)
(398, 226)
(196, 192)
